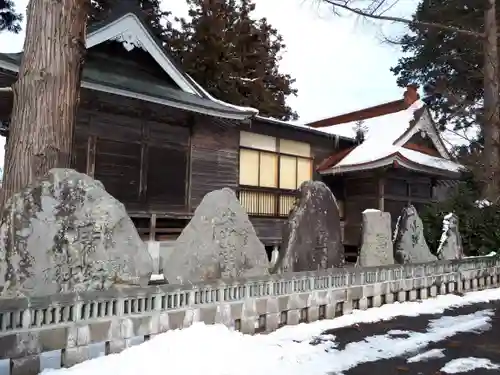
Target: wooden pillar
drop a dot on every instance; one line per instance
(91, 150)
(152, 228)
(189, 166)
(143, 174)
(381, 193)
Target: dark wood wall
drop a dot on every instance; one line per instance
(215, 161)
(139, 151)
(403, 187)
(361, 191)
(269, 230)
(214, 157)
(389, 190)
(6, 97)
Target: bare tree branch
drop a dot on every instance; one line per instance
(344, 4)
(462, 136)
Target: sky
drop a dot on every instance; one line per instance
(340, 63)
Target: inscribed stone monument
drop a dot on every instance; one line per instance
(219, 242)
(65, 233)
(450, 245)
(312, 235)
(410, 245)
(376, 247)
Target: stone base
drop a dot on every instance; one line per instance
(73, 356)
(389, 298)
(402, 296)
(442, 289)
(154, 251)
(26, 365)
(423, 293)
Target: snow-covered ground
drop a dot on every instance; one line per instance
(217, 350)
(461, 365)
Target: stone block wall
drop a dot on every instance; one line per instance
(62, 330)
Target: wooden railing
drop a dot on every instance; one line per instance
(271, 202)
(266, 202)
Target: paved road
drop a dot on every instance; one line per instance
(484, 344)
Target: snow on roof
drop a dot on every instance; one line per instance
(382, 132)
(210, 97)
(380, 142)
(381, 129)
(430, 161)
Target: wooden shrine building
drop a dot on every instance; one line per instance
(159, 142)
(402, 160)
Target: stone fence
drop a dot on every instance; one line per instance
(65, 329)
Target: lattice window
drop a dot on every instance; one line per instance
(263, 203)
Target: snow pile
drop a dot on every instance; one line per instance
(157, 277)
(396, 229)
(425, 356)
(490, 254)
(483, 203)
(444, 233)
(462, 365)
(221, 351)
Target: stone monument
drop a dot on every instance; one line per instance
(219, 242)
(376, 246)
(65, 233)
(312, 235)
(450, 245)
(410, 245)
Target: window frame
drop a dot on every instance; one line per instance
(279, 154)
(278, 191)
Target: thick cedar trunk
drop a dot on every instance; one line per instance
(491, 121)
(46, 93)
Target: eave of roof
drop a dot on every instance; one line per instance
(334, 159)
(361, 115)
(408, 159)
(302, 128)
(93, 80)
(126, 23)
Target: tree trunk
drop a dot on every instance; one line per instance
(491, 121)
(46, 94)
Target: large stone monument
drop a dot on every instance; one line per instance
(450, 245)
(312, 235)
(376, 246)
(219, 242)
(65, 233)
(410, 245)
